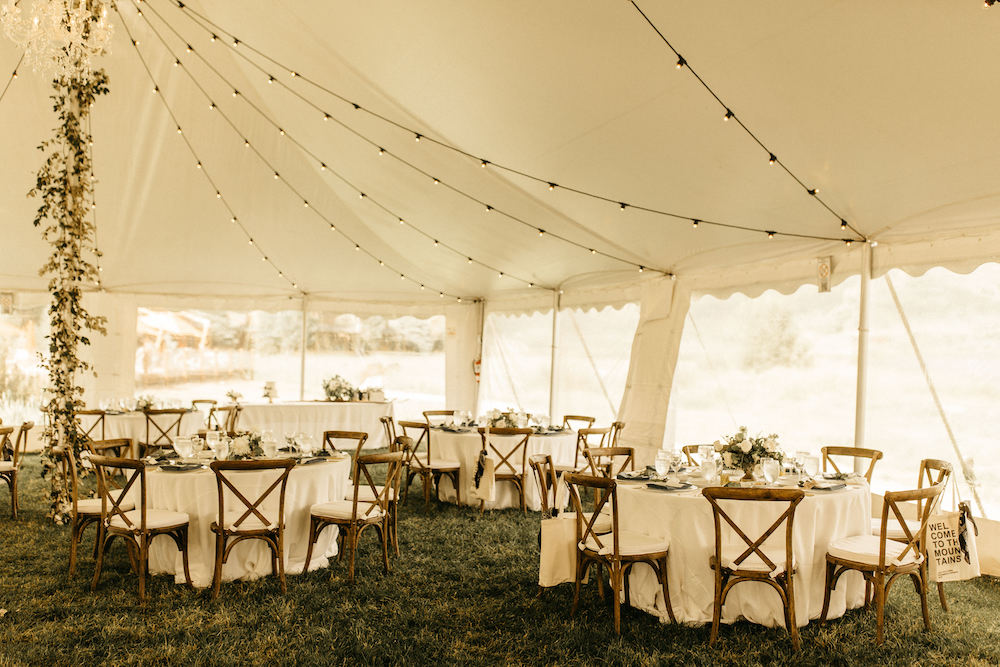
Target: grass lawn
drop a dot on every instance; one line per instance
(463, 591)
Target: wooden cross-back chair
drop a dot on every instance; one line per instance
(223, 418)
(13, 453)
(586, 438)
(616, 433)
(355, 515)
(690, 453)
(115, 447)
(603, 460)
(162, 426)
(90, 424)
(136, 527)
(881, 560)
(356, 440)
(511, 454)
(249, 519)
(197, 403)
(546, 479)
(580, 421)
(83, 511)
(617, 550)
(422, 462)
(854, 453)
(430, 415)
(930, 472)
(389, 426)
(751, 560)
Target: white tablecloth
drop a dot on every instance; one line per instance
(133, 425)
(465, 448)
(686, 520)
(317, 416)
(196, 493)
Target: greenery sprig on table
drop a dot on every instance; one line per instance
(65, 186)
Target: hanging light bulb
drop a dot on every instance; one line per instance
(729, 114)
(694, 223)
(771, 159)
(680, 62)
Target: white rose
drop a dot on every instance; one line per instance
(717, 445)
(746, 446)
(727, 459)
(770, 445)
(240, 446)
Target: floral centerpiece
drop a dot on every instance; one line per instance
(497, 419)
(246, 445)
(338, 388)
(270, 392)
(234, 396)
(743, 451)
(144, 403)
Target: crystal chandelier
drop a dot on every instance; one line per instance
(59, 37)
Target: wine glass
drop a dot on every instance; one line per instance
(811, 465)
(770, 469)
(222, 449)
(662, 463)
(212, 439)
(307, 441)
(183, 447)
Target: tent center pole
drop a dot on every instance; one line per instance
(553, 359)
(302, 354)
(861, 396)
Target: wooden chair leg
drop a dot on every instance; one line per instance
(184, 558)
(352, 542)
(921, 579)
(312, 540)
(793, 628)
(13, 495)
(143, 563)
(716, 609)
(102, 538)
(220, 550)
(944, 602)
(458, 489)
(666, 590)
(879, 583)
(576, 586)
(827, 589)
(383, 533)
(74, 540)
(616, 577)
(281, 563)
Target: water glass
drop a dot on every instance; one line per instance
(811, 465)
(222, 449)
(662, 463)
(212, 439)
(183, 447)
(770, 469)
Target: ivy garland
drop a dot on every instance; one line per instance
(66, 189)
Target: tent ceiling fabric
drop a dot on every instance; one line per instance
(886, 108)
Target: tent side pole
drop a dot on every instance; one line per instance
(481, 305)
(861, 396)
(302, 354)
(553, 358)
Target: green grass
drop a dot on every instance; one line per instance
(463, 591)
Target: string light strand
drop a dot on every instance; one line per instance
(13, 75)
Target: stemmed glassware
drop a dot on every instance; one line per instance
(770, 469)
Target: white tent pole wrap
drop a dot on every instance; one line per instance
(861, 395)
(302, 354)
(553, 380)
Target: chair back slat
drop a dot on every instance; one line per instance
(754, 545)
(605, 491)
(355, 439)
(92, 427)
(116, 447)
(854, 453)
(602, 460)
(163, 425)
(932, 471)
(411, 429)
(510, 446)
(616, 433)
(227, 477)
(394, 462)
(581, 421)
(389, 426)
(545, 477)
(585, 438)
(435, 414)
(927, 498)
(223, 418)
(111, 504)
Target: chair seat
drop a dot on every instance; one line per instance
(365, 493)
(754, 563)
(630, 543)
(93, 505)
(893, 530)
(252, 522)
(7, 466)
(343, 509)
(436, 463)
(155, 519)
(603, 524)
(865, 548)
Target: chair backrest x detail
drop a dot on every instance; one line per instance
(251, 508)
(363, 479)
(163, 425)
(605, 490)
(854, 453)
(420, 434)
(545, 476)
(927, 498)
(91, 423)
(134, 472)
(437, 416)
(603, 460)
(754, 546)
(932, 471)
(510, 446)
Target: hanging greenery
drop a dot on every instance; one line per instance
(66, 189)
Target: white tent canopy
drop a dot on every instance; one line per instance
(884, 108)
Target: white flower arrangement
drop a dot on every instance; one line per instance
(145, 402)
(270, 392)
(506, 419)
(743, 451)
(338, 388)
(234, 396)
(246, 445)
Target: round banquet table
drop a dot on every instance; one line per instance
(685, 518)
(464, 447)
(196, 494)
(317, 416)
(133, 425)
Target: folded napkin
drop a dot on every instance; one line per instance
(180, 467)
(314, 459)
(663, 486)
(634, 476)
(827, 486)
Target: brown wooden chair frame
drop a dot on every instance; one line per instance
(137, 538)
(726, 577)
(606, 490)
(429, 474)
(599, 467)
(583, 443)
(689, 452)
(437, 413)
(357, 523)
(578, 418)
(518, 476)
(164, 435)
(88, 432)
(616, 433)
(546, 478)
(854, 452)
(883, 574)
(228, 423)
(359, 438)
(389, 426)
(272, 533)
(114, 447)
(14, 453)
